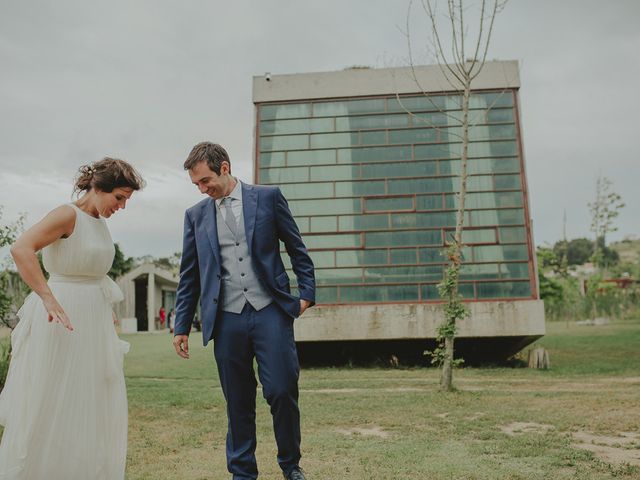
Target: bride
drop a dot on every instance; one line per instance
(64, 405)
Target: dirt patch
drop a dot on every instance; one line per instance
(475, 416)
(518, 428)
(373, 431)
(622, 448)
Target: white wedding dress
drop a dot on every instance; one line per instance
(64, 405)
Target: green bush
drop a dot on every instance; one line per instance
(5, 357)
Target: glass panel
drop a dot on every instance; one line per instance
(327, 109)
(324, 224)
(429, 202)
(508, 182)
(335, 276)
(284, 142)
(479, 271)
(374, 154)
(303, 224)
(416, 135)
(427, 152)
(487, 253)
(503, 289)
(496, 217)
(476, 236)
(486, 200)
(422, 185)
(497, 115)
(352, 189)
(479, 183)
(346, 258)
(512, 235)
(432, 255)
(372, 121)
(425, 103)
(284, 175)
(514, 270)
(364, 222)
(311, 157)
(275, 159)
(327, 294)
(291, 110)
(404, 255)
(505, 164)
(338, 172)
(492, 132)
(344, 240)
(413, 220)
(303, 125)
(388, 293)
(409, 169)
(402, 274)
(430, 292)
(319, 207)
(307, 190)
(434, 119)
(397, 239)
(331, 140)
(392, 203)
(491, 100)
(377, 137)
(494, 148)
(321, 259)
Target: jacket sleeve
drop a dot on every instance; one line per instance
(188, 291)
(300, 260)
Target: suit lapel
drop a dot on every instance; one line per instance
(249, 208)
(211, 226)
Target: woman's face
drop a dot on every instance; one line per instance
(109, 203)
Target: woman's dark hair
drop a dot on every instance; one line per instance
(212, 153)
(106, 175)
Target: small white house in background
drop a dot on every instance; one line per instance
(146, 289)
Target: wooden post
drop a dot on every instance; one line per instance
(539, 358)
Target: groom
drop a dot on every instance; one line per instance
(231, 261)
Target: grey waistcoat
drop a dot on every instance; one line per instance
(240, 283)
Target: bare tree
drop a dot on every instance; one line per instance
(604, 210)
(459, 65)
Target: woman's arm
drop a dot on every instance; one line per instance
(56, 224)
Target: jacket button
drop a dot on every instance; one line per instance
(237, 244)
(240, 259)
(215, 300)
(245, 289)
(218, 275)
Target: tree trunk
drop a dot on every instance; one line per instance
(446, 378)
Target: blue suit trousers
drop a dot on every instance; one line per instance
(267, 336)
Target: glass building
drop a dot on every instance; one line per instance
(371, 177)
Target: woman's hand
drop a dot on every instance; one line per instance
(56, 312)
(116, 322)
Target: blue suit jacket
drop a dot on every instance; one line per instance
(267, 221)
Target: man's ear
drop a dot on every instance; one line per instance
(225, 167)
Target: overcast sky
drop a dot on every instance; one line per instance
(145, 80)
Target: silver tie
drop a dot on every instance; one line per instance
(230, 218)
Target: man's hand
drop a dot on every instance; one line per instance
(181, 344)
(304, 304)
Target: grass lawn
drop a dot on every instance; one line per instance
(581, 419)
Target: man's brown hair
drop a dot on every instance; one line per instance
(212, 153)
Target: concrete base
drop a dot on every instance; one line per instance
(129, 325)
(520, 318)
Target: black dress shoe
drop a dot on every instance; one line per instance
(295, 474)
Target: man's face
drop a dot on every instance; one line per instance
(209, 182)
